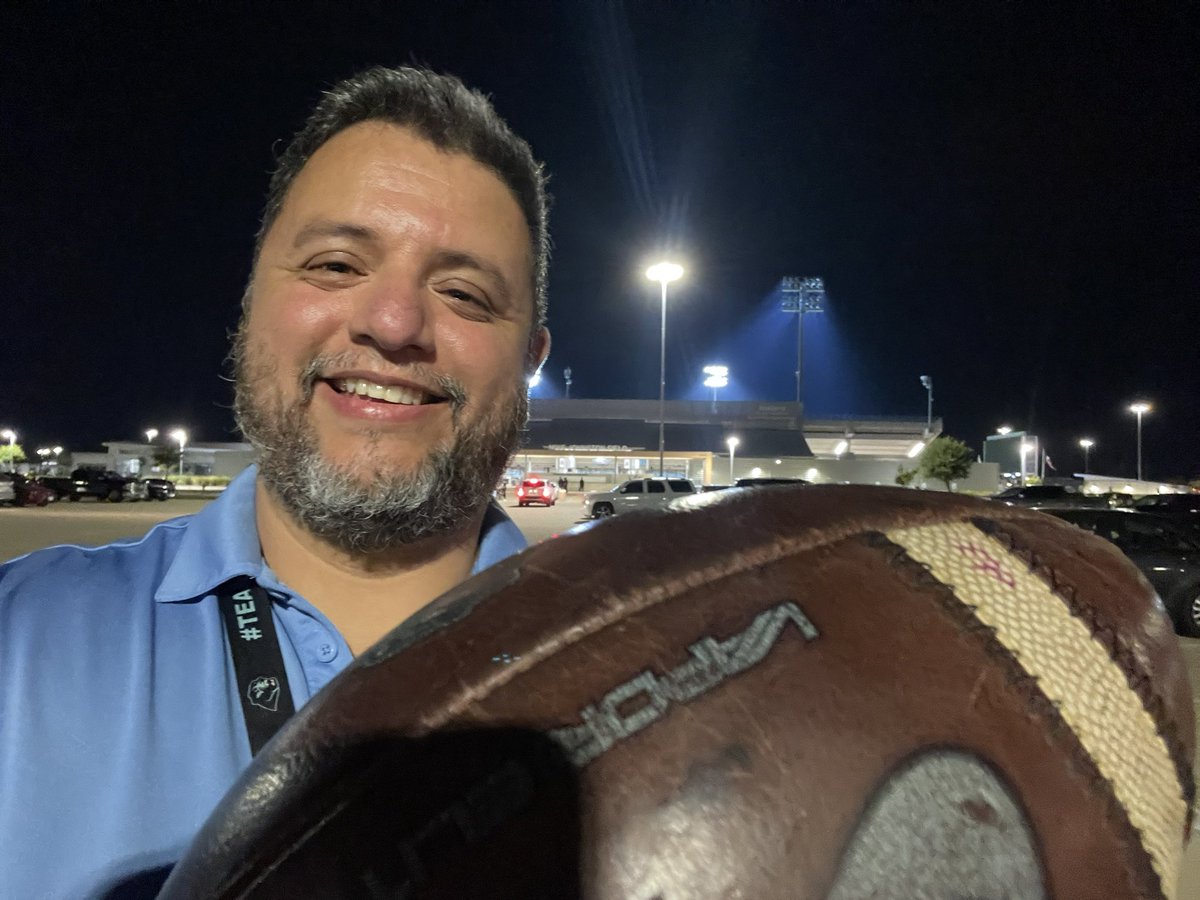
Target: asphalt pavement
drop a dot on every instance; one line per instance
(90, 523)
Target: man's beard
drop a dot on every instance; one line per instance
(371, 509)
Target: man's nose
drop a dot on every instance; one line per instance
(392, 314)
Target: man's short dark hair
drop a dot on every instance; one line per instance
(445, 112)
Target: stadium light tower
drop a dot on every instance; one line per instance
(663, 273)
(802, 295)
(1139, 409)
(1087, 444)
(718, 377)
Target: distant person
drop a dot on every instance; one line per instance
(581, 485)
(394, 311)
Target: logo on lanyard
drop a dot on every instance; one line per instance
(263, 692)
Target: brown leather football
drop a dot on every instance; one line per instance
(841, 692)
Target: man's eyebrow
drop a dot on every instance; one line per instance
(460, 259)
(320, 228)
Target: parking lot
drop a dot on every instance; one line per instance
(90, 523)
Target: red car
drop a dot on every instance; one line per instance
(27, 492)
(537, 490)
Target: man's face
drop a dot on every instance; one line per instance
(388, 335)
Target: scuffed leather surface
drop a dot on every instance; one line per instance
(422, 771)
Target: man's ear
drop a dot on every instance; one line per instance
(539, 349)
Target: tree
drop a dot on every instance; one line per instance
(947, 459)
(11, 454)
(166, 456)
(904, 477)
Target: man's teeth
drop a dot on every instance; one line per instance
(389, 394)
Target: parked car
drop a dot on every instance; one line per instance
(104, 485)
(640, 493)
(24, 491)
(1182, 509)
(159, 488)
(1167, 555)
(1049, 495)
(537, 490)
(767, 482)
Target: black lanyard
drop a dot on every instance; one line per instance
(257, 660)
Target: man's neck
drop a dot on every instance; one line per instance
(365, 596)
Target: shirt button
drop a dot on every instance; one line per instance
(326, 652)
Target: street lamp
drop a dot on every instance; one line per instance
(1139, 409)
(663, 273)
(11, 436)
(1003, 430)
(567, 380)
(718, 377)
(927, 383)
(151, 434)
(1087, 444)
(731, 442)
(180, 435)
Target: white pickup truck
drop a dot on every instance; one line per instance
(640, 493)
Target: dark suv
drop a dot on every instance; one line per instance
(1182, 509)
(1167, 555)
(1048, 495)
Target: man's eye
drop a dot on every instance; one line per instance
(465, 296)
(338, 268)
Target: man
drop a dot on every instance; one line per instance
(395, 309)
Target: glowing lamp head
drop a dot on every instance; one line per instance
(1139, 408)
(1087, 443)
(732, 443)
(665, 272)
(1004, 429)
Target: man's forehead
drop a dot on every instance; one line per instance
(379, 154)
(374, 159)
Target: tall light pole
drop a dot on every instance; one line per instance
(802, 295)
(731, 442)
(567, 380)
(1087, 444)
(11, 436)
(663, 273)
(718, 377)
(180, 435)
(1139, 409)
(927, 383)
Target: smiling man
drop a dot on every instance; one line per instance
(395, 310)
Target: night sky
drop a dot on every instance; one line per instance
(1003, 197)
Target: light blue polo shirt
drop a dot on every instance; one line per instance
(120, 721)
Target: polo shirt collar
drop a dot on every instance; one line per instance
(221, 542)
